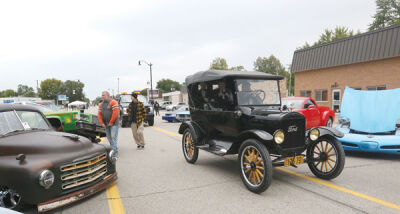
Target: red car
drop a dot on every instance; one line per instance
(315, 115)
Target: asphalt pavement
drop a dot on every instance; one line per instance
(157, 179)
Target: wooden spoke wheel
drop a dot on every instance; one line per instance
(326, 157)
(190, 152)
(255, 165)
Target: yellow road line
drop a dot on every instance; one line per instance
(381, 202)
(114, 200)
(166, 132)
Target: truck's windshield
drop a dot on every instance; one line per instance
(12, 121)
(257, 92)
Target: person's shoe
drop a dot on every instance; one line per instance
(142, 147)
(138, 146)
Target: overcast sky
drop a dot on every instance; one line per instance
(100, 41)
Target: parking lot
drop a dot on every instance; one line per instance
(159, 180)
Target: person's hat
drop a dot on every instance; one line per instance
(134, 95)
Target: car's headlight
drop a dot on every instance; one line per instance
(279, 137)
(46, 178)
(151, 109)
(314, 134)
(345, 122)
(112, 156)
(125, 110)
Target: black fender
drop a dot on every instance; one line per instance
(263, 136)
(323, 130)
(194, 127)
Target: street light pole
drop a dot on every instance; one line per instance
(151, 77)
(118, 85)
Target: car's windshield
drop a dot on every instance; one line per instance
(12, 121)
(257, 92)
(183, 108)
(293, 103)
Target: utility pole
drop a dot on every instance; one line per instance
(118, 86)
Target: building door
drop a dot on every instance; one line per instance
(336, 100)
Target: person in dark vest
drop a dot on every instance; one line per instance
(136, 115)
(156, 108)
(108, 117)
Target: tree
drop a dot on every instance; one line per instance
(219, 64)
(167, 85)
(49, 88)
(97, 100)
(387, 14)
(25, 91)
(270, 65)
(237, 68)
(331, 35)
(144, 92)
(74, 90)
(8, 93)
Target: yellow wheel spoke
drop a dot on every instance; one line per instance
(326, 146)
(334, 154)
(329, 164)
(254, 178)
(258, 171)
(317, 153)
(251, 175)
(247, 170)
(317, 164)
(245, 163)
(258, 178)
(332, 160)
(318, 147)
(322, 165)
(260, 167)
(322, 146)
(329, 150)
(259, 162)
(247, 158)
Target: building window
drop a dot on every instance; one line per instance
(321, 95)
(356, 88)
(376, 88)
(305, 93)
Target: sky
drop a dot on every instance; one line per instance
(99, 42)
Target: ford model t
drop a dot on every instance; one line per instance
(239, 112)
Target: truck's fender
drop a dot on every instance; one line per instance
(323, 130)
(194, 127)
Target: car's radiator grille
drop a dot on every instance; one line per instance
(83, 172)
(294, 130)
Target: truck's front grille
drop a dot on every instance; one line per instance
(83, 172)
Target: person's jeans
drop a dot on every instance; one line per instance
(112, 136)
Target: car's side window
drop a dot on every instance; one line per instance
(309, 103)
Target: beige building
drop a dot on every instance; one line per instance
(369, 61)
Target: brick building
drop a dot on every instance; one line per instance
(368, 61)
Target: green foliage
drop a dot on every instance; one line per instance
(387, 14)
(219, 64)
(270, 65)
(97, 100)
(331, 35)
(25, 91)
(237, 68)
(74, 90)
(165, 85)
(49, 88)
(8, 93)
(144, 92)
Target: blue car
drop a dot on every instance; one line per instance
(172, 116)
(370, 121)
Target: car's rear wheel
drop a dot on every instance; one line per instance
(329, 122)
(151, 122)
(255, 165)
(190, 152)
(326, 158)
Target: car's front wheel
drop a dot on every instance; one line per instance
(190, 152)
(255, 165)
(326, 158)
(329, 122)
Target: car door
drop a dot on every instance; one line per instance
(312, 114)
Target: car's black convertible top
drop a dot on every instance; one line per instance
(209, 75)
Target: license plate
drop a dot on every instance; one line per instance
(297, 160)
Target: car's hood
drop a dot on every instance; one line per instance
(46, 142)
(183, 112)
(371, 111)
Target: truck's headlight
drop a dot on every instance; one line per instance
(279, 137)
(112, 156)
(46, 178)
(151, 109)
(314, 134)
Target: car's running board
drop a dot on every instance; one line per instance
(216, 147)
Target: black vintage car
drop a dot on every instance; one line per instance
(42, 167)
(238, 112)
(125, 100)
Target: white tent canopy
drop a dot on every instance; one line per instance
(77, 103)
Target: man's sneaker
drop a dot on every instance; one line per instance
(142, 147)
(138, 147)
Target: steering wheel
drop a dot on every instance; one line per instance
(258, 92)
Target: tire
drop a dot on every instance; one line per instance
(190, 152)
(326, 153)
(11, 199)
(169, 121)
(255, 165)
(329, 122)
(151, 122)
